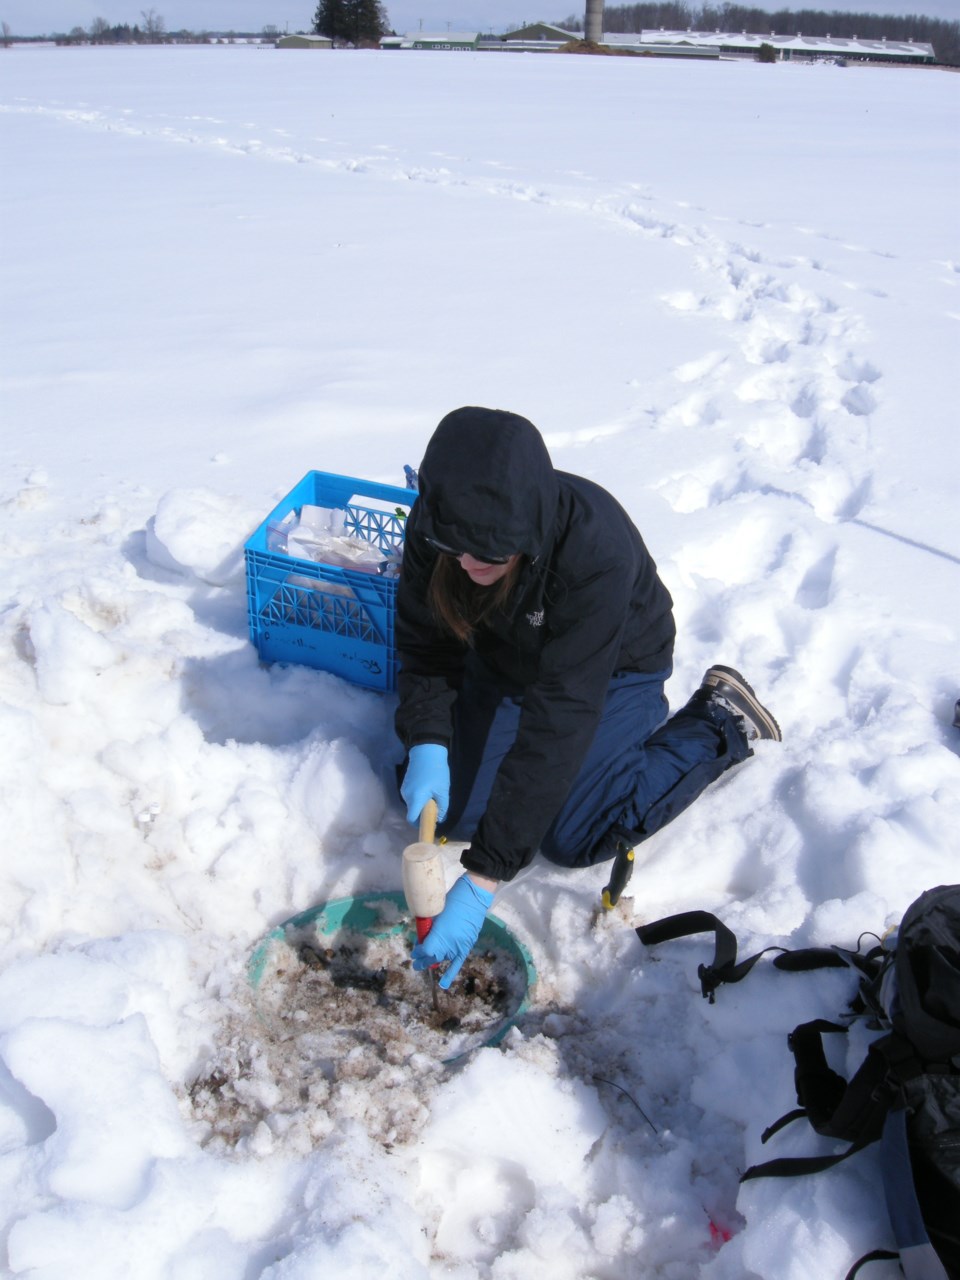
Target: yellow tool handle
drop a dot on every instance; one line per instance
(620, 875)
(428, 822)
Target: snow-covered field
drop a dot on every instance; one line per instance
(729, 293)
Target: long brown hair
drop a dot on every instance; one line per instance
(461, 605)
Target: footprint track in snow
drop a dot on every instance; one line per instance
(793, 358)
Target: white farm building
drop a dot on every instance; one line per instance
(543, 37)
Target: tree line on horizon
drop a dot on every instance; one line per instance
(152, 29)
(675, 15)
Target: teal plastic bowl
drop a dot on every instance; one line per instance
(385, 914)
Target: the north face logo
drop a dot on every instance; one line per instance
(535, 619)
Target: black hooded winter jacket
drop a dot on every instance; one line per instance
(588, 603)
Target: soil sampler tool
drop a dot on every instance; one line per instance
(424, 884)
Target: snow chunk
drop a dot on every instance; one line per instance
(115, 1114)
(66, 653)
(200, 533)
(505, 1138)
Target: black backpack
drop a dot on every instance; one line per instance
(906, 1093)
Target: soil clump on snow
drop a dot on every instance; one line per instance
(340, 1029)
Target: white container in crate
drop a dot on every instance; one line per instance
(337, 616)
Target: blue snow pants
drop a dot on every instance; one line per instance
(640, 771)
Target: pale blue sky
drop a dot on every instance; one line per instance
(34, 17)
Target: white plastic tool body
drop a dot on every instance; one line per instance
(424, 884)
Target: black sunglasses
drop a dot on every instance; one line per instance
(449, 551)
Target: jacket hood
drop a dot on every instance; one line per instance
(487, 485)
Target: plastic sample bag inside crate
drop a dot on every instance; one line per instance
(330, 615)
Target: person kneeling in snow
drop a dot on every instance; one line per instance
(535, 639)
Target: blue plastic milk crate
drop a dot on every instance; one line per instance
(321, 615)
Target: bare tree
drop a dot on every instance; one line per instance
(99, 30)
(153, 25)
(593, 22)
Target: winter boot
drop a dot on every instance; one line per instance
(729, 688)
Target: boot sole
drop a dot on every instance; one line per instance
(731, 685)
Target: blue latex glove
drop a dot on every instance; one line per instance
(427, 778)
(455, 929)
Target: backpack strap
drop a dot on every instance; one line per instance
(806, 958)
(797, 1166)
(876, 1255)
(854, 1111)
(820, 1089)
(918, 1258)
(799, 1113)
(724, 967)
